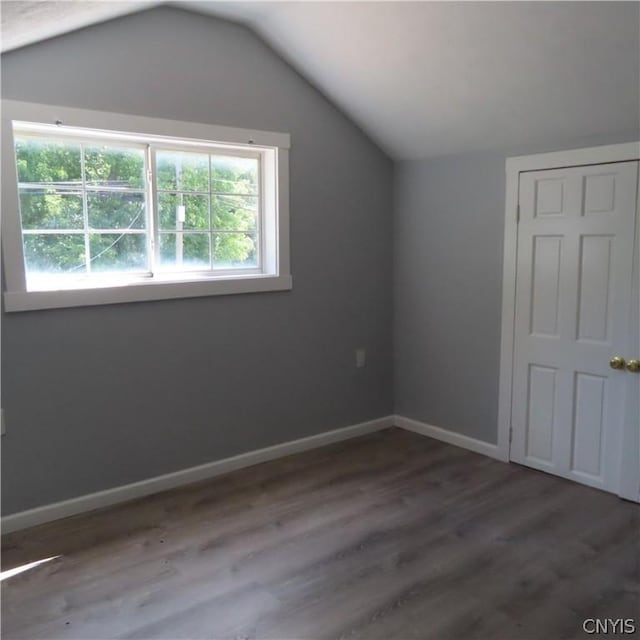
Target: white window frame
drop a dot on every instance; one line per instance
(275, 273)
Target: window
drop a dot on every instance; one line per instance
(121, 210)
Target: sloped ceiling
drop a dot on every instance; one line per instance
(27, 21)
(427, 79)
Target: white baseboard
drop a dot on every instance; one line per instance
(91, 501)
(109, 497)
(451, 437)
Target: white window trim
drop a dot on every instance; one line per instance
(277, 274)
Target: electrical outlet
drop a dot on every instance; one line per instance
(361, 357)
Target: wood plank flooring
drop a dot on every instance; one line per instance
(390, 535)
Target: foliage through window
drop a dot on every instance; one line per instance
(96, 208)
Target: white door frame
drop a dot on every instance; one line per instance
(630, 475)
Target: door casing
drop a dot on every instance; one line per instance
(629, 487)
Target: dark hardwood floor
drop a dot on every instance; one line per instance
(386, 536)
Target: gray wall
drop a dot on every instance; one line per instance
(449, 217)
(102, 396)
(448, 242)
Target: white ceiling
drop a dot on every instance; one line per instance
(430, 78)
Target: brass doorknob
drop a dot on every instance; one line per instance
(633, 366)
(617, 362)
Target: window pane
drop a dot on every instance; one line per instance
(233, 250)
(118, 252)
(235, 213)
(114, 167)
(184, 251)
(113, 210)
(48, 162)
(179, 171)
(196, 211)
(234, 175)
(54, 253)
(51, 209)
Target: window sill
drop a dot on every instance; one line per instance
(140, 292)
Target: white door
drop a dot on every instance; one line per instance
(575, 295)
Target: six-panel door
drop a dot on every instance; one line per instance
(573, 303)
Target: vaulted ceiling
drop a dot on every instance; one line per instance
(427, 79)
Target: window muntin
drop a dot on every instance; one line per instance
(96, 210)
(208, 210)
(83, 209)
